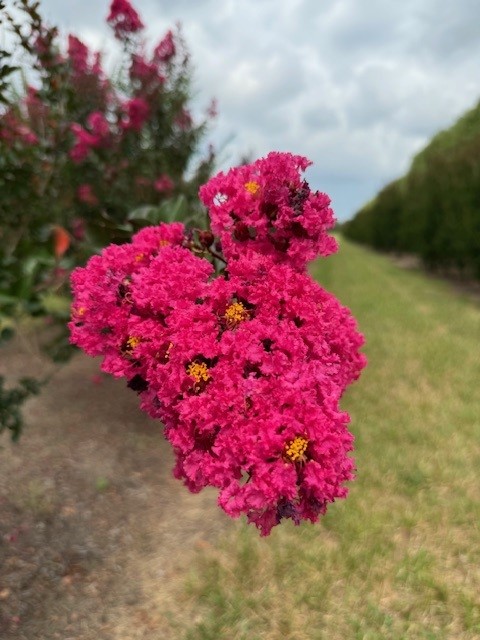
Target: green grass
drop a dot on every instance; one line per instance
(400, 558)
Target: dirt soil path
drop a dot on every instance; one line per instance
(94, 530)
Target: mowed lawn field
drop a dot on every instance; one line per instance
(400, 558)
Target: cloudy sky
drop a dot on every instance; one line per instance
(358, 86)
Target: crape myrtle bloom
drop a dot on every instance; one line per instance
(169, 290)
(266, 442)
(36, 111)
(135, 303)
(269, 207)
(135, 112)
(184, 120)
(86, 195)
(97, 137)
(124, 19)
(328, 330)
(147, 76)
(179, 364)
(99, 126)
(78, 228)
(165, 49)
(163, 235)
(12, 130)
(163, 184)
(100, 309)
(295, 455)
(245, 368)
(97, 68)
(84, 141)
(26, 135)
(141, 69)
(103, 293)
(263, 371)
(44, 48)
(78, 55)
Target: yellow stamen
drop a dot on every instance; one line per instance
(198, 371)
(295, 449)
(132, 342)
(81, 311)
(139, 257)
(235, 313)
(252, 187)
(163, 243)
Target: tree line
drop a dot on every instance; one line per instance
(434, 210)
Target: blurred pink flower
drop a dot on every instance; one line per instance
(78, 228)
(184, 119)
(97, 64)
(124, 19)
(85, 141)
(165, 50)
(143, 70)
(26, 135)
(136, 111)
(86, 195)
(37, 110)
(99, 125)
(78, 54)
(164, 183)
(12, 130)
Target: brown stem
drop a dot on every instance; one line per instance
(216, 255)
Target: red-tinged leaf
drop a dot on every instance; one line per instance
(61, 241)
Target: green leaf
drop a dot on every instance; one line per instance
(147, 213)
(11, 400)
(6, 70)
(59, 349)
(176, 209)
(96, 236)
(171, 210)
(7, 300)
(6, 333)
(56, 305)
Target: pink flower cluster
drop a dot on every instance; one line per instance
(35, 110)
(150, 72)
(267, 207)
(164, 184)
(78, 54)
(86, 195)
(165, 49)
(13, 129)
(245, 369)
(98, 136)
(124, 19)
(135, 114)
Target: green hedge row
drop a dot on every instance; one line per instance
(433, 211)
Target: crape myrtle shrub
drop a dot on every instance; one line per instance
(82, 153)
(434, 211)
(87, 158)
(232, 345)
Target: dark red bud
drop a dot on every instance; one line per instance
(206, 238)
(240, 232)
